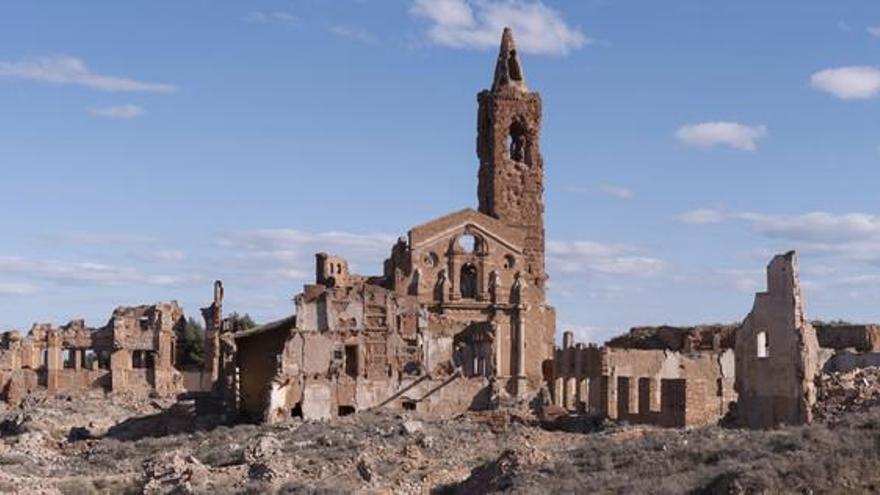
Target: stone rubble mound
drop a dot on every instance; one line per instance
(845, 392)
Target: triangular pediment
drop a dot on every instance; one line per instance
(467, 219)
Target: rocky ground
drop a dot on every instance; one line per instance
(105, 444)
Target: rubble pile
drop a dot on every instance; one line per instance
(843, 392)
(78, 445)
(107, 444)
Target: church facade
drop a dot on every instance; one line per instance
(458, 319)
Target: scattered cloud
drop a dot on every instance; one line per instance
(163, 255)
(289, 238)
(290, 254)
(732, 134)
(806, 227)
(73, 71)
(741, 280)
(873, 31)
(857, 82)
(616, 191)
(578, 257)
(88, 273)
(850, 236)
(16, 289)
(100, 238)
(121, 112)
(701, 216)
(816, 226)
(477, 24)
(277, 17)
(843, 26)
(356, 34)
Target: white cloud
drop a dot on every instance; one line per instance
(616, 191)
(277, 17)
(121, 112)
(294, 238)
(356, 34)
(88, 273)
(701, 216)
(873, 31)
(70, 70)
(732, 134)
(100, 238)
(816, 226)
(164, 255)
(16, 289)
(290, 253)
(856, 82)
(843, 237)
(572, 257)
(746, 281)
(478, 24)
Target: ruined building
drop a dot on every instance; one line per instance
(673, 379)
(457, 319)
(135, 352)
(777, 353)
(667, 376)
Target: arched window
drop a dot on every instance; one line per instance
(468, 243)
(517, 143)
(509, 261)
(468, 281)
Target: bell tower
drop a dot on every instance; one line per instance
(511, 176)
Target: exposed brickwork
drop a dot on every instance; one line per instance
(459, 317)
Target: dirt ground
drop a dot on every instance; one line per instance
(95, 443)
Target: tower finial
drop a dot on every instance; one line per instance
(508, 71)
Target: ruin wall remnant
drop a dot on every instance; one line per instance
(777, 353)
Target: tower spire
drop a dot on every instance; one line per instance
(508, 70)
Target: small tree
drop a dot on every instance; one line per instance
(193, 343)
(242, 322)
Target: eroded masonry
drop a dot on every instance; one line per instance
(457, 320)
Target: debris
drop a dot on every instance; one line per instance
(365, 470)
(852, 391)
(171, 472)
(411, 427)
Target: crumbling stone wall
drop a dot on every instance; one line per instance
(134, 352)
(777, 353)
(861, 338)
(661, 387)
(145, 348)
(685, 339)
(352, 348)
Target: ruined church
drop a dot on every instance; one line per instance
(457, 319)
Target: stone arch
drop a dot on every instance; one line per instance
(468, 281)
(469, 242)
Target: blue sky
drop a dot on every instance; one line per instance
(147, 148)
